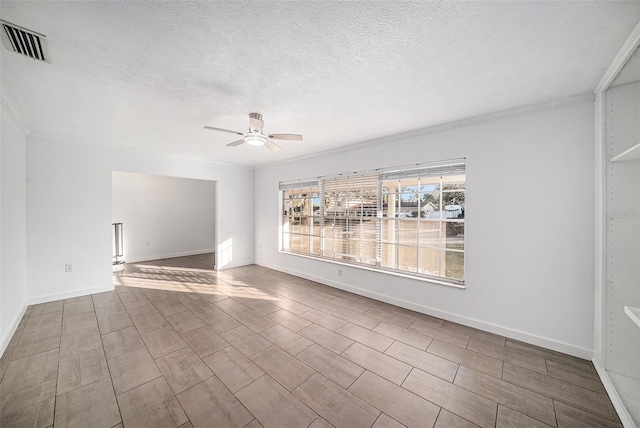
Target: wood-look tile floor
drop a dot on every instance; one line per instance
(180, 345)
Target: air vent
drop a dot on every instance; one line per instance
(25, 42)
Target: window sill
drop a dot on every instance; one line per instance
(378, 270)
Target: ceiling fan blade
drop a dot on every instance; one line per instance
(211, 128)
(236, 143)
(272, 146)
(256, 124)
(291, 137)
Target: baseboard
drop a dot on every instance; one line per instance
(235, 265)
(12, 330)
(532, 339)
(166, 256)
(69, 294)
(623, 413)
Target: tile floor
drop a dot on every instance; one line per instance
(179, 345)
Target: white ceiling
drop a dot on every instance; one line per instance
(150, 75)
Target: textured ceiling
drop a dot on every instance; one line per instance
(150, 75)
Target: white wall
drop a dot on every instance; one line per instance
(163, 216)
(13, 251)
(529, 269)
(69, 212)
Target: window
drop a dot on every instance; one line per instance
(349, 221)
(301, 218)
(405, 220)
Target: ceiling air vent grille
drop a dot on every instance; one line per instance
(25, 42)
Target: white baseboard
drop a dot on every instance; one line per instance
(129, 259)
(554, 345)
(12, 330)
(69, 294)
(235, 265)
(623, 413)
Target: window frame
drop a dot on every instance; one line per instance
(453, 171)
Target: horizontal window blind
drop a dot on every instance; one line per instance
(298, 184)
(404, 219)
(349, 205)
(453, 167)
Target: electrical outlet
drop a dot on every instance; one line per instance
(68, 267)
(339, 272)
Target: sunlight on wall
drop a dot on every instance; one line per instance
(225, 255)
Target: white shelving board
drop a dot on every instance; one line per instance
(630, 154)
(633, 313)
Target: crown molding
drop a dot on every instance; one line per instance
(625, 52)
(489, 117)
(11, 108)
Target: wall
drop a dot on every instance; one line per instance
(69, 212)
(529, 269)
(163, 216)
(13, 252)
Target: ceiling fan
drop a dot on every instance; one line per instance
(255, 136)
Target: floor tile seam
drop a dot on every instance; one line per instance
(82, 386)
(560, 400)
(323, 374)
(568, 384)
(405, 390)
(40, 352)
(475, 330)
(418, 349)
(404, 328)
(170, 352)
(387, 355)
(504, 361)
(446, 333)
(464, 349)
(336, 385)
(41, 315)
(396, 420)
(549, 353)
(175, 395)
(143, 383)
(588, 409)
(276, 380)
(371, 331)
(253, 381)
(479, 338)
(555, 412)
(330, 350)
(395, 339)
(55, 396)
(152, 380)
(573, 406)
(500, 402)
(234, 317)
(586, 377)
(580, 386)
(455, 385)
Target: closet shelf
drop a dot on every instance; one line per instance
(634, 314)
(630, 154)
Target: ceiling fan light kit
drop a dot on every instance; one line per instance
(255, 136)
(255, 139)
